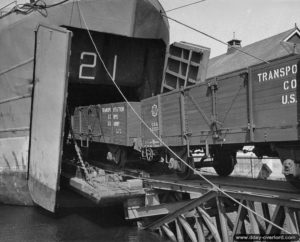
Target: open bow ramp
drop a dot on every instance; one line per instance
(48, 113)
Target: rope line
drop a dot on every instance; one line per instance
(184, 6)
(162, 142)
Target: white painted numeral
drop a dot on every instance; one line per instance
(93, 65)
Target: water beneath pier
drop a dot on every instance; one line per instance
(32, 224)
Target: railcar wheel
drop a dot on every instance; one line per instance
(224, 162)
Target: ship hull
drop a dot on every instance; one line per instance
(120, 26)
(13, 171)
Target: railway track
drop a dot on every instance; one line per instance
(236, 185)
(264, 207)
(193, 210)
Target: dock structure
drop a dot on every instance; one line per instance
(193, 210)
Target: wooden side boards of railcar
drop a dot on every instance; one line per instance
(113, 123)
(258, 104)
(275, 108)
(254, 105)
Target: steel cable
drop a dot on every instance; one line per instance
(162, 142)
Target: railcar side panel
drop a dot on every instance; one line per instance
(106, 123)
(198, 114)
(172, 119)
(275, 101)
(150, 112)
(113, 123)
(133, 123)
(232, 108)
(94, 120)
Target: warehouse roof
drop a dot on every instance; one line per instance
(274, 47)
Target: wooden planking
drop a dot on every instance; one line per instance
(106, 122)
(196, 121)
(119, 123)
(94, 122)
(113, 123)
(232, 102)
(274, 101)
(171, 119)
(133, 122)
(150, 111)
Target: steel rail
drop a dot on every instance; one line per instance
(266, 191)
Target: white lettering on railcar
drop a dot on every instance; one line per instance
(288, 98)
(285, 74)
(154, 110)
(287, 85)
(118, 109)
(277, 73)
(116, 124)
(106, 110)
(154, 126)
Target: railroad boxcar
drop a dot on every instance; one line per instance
(258, 106)
(108, 131)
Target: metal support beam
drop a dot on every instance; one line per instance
(189, 231)
(199, 229)
(179, 231)
(169, 232)
(291, 221)
(222, 221)
(239, 227)
(255, 225)
(210, 225)
(277, 218)
(191, 205)
(266, 213)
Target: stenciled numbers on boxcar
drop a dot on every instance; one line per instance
(86, 67)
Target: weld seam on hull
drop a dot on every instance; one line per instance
(14, 98)
(16, 66)
(14, 129)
